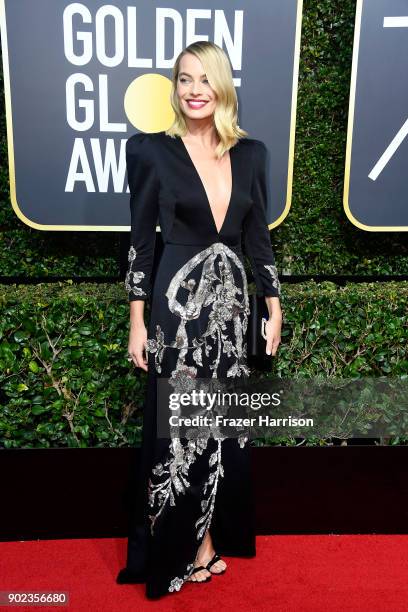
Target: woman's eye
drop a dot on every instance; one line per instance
(184, 80)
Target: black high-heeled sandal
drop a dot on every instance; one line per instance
(215, 558)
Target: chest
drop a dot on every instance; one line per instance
(198, 192)
(215, 176)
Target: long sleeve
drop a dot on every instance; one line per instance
(255, 229)
(144, 204)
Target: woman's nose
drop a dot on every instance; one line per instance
(196, 88)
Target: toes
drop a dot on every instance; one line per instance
(199, 576)
(219, 566)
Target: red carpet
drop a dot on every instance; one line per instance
(290, 573)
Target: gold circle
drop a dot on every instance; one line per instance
(147, 103)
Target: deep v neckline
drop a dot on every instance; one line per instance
(231, 158)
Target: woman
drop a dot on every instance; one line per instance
(204, 181)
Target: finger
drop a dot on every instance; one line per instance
(134, 359)
(145, 358)
(275, 344)
(141, 361)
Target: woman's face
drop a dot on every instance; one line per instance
(197, 99)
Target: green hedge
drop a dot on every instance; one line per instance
(66, 381)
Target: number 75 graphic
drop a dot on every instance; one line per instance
(376, 188)
(391, 22)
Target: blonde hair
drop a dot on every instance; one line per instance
(218, 72)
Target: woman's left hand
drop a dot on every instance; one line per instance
(273, 328)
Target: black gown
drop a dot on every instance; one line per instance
(199, 310)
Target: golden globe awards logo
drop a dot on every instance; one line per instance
(86, 75)
(146, 101)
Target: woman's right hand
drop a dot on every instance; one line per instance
(137, 345)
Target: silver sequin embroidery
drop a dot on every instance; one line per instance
(275, 279)
(227, 301)
(177, 583)
(133, 277)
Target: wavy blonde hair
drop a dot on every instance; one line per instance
(218, 71)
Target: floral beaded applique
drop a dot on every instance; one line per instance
(218, 290)
(170, 478)
(176, 583)
(275, 279)
(215, 288)
(133, 277)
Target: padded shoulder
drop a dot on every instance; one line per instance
(140, 146)
(257, 147)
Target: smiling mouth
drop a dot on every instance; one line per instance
(196, 103)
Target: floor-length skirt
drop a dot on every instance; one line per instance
(197, 329)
